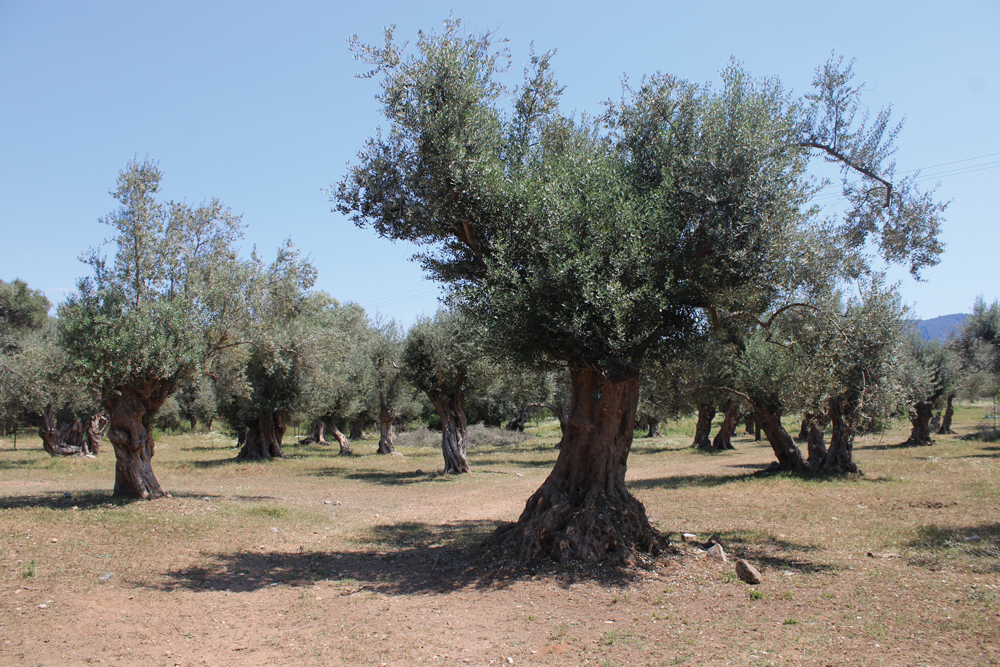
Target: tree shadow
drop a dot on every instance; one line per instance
(393, 559)
(778, 554)
(81, 500)
(688, 481)
(976, 546)
(18, 464)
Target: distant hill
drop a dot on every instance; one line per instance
(940, 328)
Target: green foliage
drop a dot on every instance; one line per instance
(175, 296)
(602, 242)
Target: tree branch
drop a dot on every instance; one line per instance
(830, 150)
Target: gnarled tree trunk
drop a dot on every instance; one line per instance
(654, 427)
(813, 424)
(583, 511)
(724, 438)
(920, 418)
(385, 444)
(840, 457)
(519, 420)
(264, 434)
(131, 411)
(65, 440)
(750, 423)
(703, 429)
(345, 444)
(357, 431)
(454, 431)
(949, 412)
(317, 434)
(788, 454)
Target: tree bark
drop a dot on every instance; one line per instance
(454, 431)
(357, 431)
(654, 427)
(95, 433)
(583, 511)
(66, 440)
(703, 429)
(264, 434)
(519, 420)
(131, 411)
(750, 423)
(317, 434)
(920, 418)
(788, 454)
(724, 438)
(840, 457)
(949, 412)
(345, 444)
(804, 427)
(385, 444)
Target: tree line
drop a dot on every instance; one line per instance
(663, 258)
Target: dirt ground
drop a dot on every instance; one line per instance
(368, 560)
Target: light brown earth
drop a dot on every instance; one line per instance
(323, 560)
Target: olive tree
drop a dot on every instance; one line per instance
(596, 243)
(439, 356)
(173, 298)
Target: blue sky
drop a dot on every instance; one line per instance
(257, 104)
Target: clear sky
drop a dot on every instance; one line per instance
(256, 103)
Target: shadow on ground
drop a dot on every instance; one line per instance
(392, 559)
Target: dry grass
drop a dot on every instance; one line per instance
(324, 560)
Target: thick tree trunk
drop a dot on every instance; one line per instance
(345, 444)
(357, 431)
(66, 440)
(317, 434)
(788, 454)
(724, 438)
(840, 457)
(920, 419)
(803, 435)
(750, 423)
(454, 432)
(95, 433)
(519, 420)
(385, 444)
(583, 511)
(131, 411)
(654, 427)
(264, 434)
(703, 429)
(949, 412)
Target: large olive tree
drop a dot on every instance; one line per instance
(597, 243)
(173, 297)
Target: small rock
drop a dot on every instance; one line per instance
(54, 540)
(206, 499)
(747, 572)
(105, 577)
(886, 554)
(510, 660)
(419, 471)
(713, 540)
(717, 553)
(326, 502)
(68, 494)
(338, 503)
(274, 530)
(688, 537)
